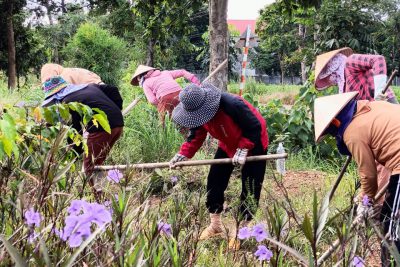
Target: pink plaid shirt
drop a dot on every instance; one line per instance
(359, 75)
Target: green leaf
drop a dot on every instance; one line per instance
(158, 172)
(323, 213)
(7, 146)
(307, 229)
(102, 119)
(7, 127)
(49, 115)
(64, 112)
(63, 171)
(15, 255)
(315, 212)
(290, 250)
(45, 252)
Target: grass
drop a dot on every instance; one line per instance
(263, 89)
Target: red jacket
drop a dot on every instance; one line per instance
(237, 124)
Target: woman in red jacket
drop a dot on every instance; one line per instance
(240, 129)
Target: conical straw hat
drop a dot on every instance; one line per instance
(323, 59)
(140, 70)
(326, 109)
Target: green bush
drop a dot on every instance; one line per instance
(96, 49)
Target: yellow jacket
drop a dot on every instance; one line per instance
(374, 134)
(71, 75)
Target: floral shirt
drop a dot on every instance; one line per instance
(359, 74)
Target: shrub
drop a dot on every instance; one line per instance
(96, 49)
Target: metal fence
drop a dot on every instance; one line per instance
(276, 79)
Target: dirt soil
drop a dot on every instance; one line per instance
(297, 182)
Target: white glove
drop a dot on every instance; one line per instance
(177, 158)
(381, 97)
(363, 211)
(366, 210)
(379, 84)
(240, 156)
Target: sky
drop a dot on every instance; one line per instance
(246, 9)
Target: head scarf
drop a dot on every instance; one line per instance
(344, 117)
(335, 70)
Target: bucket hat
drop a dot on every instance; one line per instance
(326, 109)
(197, 106)
(53, 85)
(140, 70)
(323, 59)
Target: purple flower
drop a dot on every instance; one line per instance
(114, 175)
(58, 233)
(71, 223)
(80, 234)
(107, 203)
(263, 253)
(32, 217)
(174, 179)
(164, 228)
(32, 237)
(97, 213)
(78, 224)
(358, 262)
(244, 233)
(259, 232)
(76, 206)
(365, 201)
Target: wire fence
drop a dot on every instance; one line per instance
(277, 79)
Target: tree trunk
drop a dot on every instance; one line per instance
(63, 8)
(12, 82)
(302, 35)
(218, 41)
(282, 68)
(150, 52)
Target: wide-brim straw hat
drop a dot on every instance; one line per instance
(323, 59)
(198, 105)
(140, 70)
(326, 109)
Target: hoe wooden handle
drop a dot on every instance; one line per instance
(187, 163)
(389, 81)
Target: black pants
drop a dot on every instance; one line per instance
(252, 179)
(386, 215)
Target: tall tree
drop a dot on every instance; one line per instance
(218, 41)
(12, 68)
(161, 22)
(278, 36)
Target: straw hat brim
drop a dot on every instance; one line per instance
(323, 59)
(140, 70)
(202, 115)
(326, 109)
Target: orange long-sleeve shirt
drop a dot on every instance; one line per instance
(374, 134)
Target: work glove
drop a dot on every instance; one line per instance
(239, 159)
(177, 158)
(379, 84)
(381, 97)
(366, 210)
